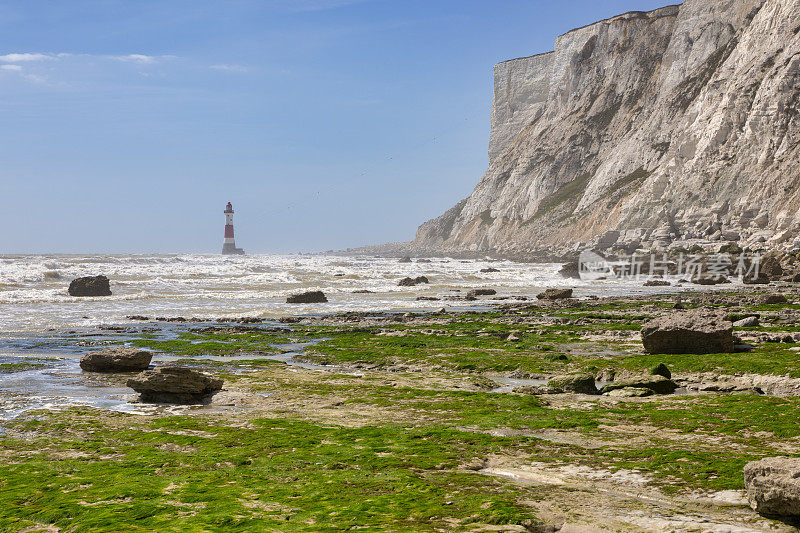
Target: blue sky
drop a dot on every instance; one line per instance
(127, 126)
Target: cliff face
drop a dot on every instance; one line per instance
(680, 123)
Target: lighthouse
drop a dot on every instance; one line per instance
(229, 245)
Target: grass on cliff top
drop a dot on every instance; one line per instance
(104, 472)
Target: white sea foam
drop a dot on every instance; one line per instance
(254, 285)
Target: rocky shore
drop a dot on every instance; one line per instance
(540, 415)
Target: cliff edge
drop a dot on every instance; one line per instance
(644, 129)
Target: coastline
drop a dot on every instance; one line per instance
(424, 421)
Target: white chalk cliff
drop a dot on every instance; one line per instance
(649, 127)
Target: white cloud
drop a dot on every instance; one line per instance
(230, 68)
(136, 58)
(10, 67)
(16, 58)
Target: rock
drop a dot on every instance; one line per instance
(488, 270)
(90, 286)
(773, 486)
(607, 375)
(657, 283)
(405, 259)
(427, 299)
(411, 282)
(761, 279)
(580, 383)
(474, 293)
(657, 384)
(137, 317)
(748, 322)
(661, 370)
(174, 384)
(630, 392)
(773, 299)
(570, 270)
(363, 291)
(555, 294)
(116, 360)
(696, 332)
(424, 261)
(533, 390)
(310, 297)
(513, 337)
(771, 267)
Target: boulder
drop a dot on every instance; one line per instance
(661, 370)
(773, 486)
(657, 283)
(90, 286)
(410, 282)
(761, 279)
(481, 292)
(571, 270)
(405, 259)
(175, 384)
(488, 270)
(748, 322)
(310, 297)
(555, 294)
(772, 299)
(771, 267)
(657, 384)
(116, 360)
(580, 383)
(696, 331)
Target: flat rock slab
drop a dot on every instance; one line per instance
(90, 286)
(175, 384)
(697, 332)
(773, 486)
(116, 360)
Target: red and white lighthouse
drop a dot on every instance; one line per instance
(229, 245)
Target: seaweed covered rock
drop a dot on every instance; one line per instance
(310, 297)
(773, 486)
(116, 360)
(175, 384)
(772, 299)
(696, 331)
(661, 370)
(580, 383)
(657, 384)
(90, 286)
